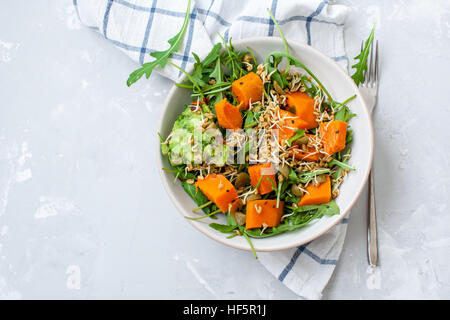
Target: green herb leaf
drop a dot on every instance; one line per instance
(213, 55)
(161, 56)
(233, 60)
(338, 173)
(327, 209)
(230, 220)
(222, 227)
(349, 137)
(338, 163)
(361, 66)
(306, 177)
(292, 177)
(299, 133)
(218, 76)
(251, 119)
(199, 198)
(344, 114)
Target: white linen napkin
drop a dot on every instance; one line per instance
(139, 27)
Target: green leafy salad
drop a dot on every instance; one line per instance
(261, 142)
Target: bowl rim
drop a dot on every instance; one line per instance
(310, 238)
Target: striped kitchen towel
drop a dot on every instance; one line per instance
(140, 27)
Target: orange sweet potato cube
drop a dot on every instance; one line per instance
(263, 213)
(303, 106)
(221, 191)
(317, 194)
(266, 171)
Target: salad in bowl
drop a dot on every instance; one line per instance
(266, 146)
(254, 146)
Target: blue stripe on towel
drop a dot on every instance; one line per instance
(214, 15)
(296, 255)
(106, 17)
(225, 35)
(147, 32)
(292, 262)
(315, 13)
(318, 259)
(274, 11)
(125, 46)
(187, 50)
(207, 12)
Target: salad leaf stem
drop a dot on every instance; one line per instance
(286, 47)
(182, 85)
(189, 77)
(340, 164)
(300, 132)
(205, 216)
(349, 99)
(207, 204)
(250, 243)
(213, 91)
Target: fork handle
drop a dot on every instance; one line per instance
(372, 245)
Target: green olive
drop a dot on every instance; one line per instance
(242, 180)
(247, 58)
(240, 218)
(210, 126)
(284, 170)
(253, 197)
(278, 88)
(296, 191)
(302, 140)
(319, 179)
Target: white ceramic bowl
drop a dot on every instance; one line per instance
(341, 87)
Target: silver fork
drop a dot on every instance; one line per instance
(369, 91)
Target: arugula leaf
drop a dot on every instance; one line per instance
(344, 114)
(161, 56)
(223, 227)
(292, 177)
(213, 55)
(306, 177)
(329, 208)
(361, 66)
(251, 119)
(343, 160)
(233, 60)
(230, 220)
(349, 137)
(201, 68)
(196, 195)
(338, 163)
(197, 74)
(218, 76)
(297, 63)
(291, 198)
(196, 85)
